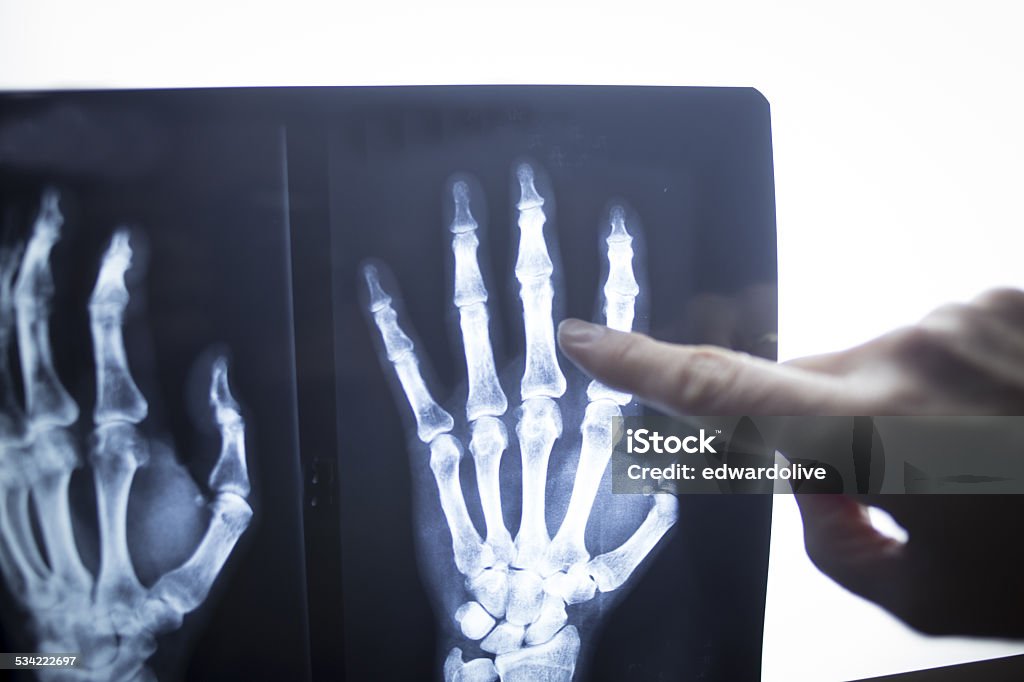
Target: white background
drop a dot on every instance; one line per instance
(899, 154)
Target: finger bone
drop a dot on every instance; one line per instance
(230, 474)
(46, 400)
(620, 292)
(431, 419)
(542, 375)
(471, 554)
(118, 399)
(485, 394)
(12, 421)
(612, 569)
(477, 670)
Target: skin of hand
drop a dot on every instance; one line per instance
(960, 570)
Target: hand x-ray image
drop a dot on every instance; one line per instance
(148, 395)
(465, 225)
(283, 399)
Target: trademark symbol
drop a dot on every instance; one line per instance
(718, 430)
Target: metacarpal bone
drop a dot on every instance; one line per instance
(21, 549)
(612, 569)
(46, 400)
(477, 670)
(50, 495)
(568, 546)
(431, 419)
(118, 399)
(488, 442)
(471, 554)
(473, 620)
(185, 588)
(542, 375)
(117, 452)
(553, 661)
(540, 424)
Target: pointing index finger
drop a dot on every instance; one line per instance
(698, 380)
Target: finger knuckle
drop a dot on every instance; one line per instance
(1001, 299)
(706, 379)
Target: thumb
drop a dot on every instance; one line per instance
(695, 380)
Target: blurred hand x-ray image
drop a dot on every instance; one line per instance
(109, 615)
(519, 590)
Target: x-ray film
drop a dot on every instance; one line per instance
(283, 397)
(465, 224)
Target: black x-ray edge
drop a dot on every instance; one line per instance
(305, 117)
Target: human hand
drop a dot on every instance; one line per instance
(512, 597)
(110, 618)
(959, 570)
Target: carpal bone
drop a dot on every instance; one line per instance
(540, 424)
(611, 570)
(489, 441)
(542, 375)
(551, 619)
(431, 419)
(569, 547)
(477, 670)
(553, 661)
(473, 620)
(471, 554)
(504, 638)
(118, 399)
(490, 587)
(230, 474)
(525, 592)
(47, 402)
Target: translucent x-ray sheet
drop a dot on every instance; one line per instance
(203, 201)
(692, 169)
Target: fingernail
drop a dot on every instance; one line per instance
(577, 333)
